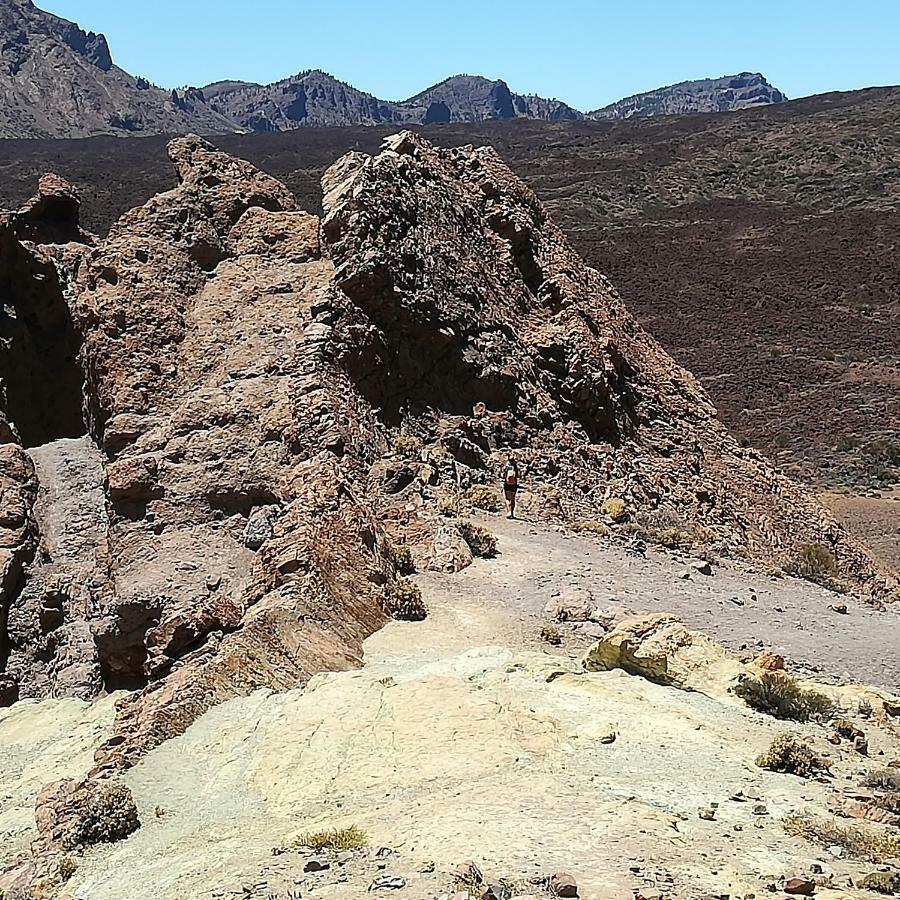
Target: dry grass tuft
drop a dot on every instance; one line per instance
(873, 844)
(883, 779)
(615, 508)
(779, 695)
(481, 542)
(407, 445)
(403, 559)
(351, 838)
(550, 634)
(788, 753)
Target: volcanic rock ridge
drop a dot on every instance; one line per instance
(273, 403)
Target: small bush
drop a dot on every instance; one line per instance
(883, 779)
(591, 526)
(351, 838)
(813, 562)
(68, 866)
(481, 542)
(403, 560)
(109, 814)
(407, 445)
(484, 498)
(550, 634)
(615, 508)
(790, 754)
(448, 505)
(870, 843)
(403, 600)
(881, 883)
(777, 694)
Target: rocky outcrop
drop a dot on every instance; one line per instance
(708, 95)
(60, 81)
(316, 98)
(246, 374)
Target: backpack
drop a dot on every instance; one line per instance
(511, 476)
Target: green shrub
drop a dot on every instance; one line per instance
(403, 559)
(481, 542)
(789, 754)
(777, 694)
(483, 497)
(351, 838)
(403, 600)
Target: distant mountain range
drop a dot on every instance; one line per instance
(58, 81)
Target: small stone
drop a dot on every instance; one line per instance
(609, 738)
(701, 566)
(801, 886)
(760, 809)
(468, 873)
(836, 850)
(388, 883)
(316, 865)
(562, 885)
(839, 608)
(707, 813)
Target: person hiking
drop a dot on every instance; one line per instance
(511, 485)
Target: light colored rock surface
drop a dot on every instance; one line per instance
(39, 743)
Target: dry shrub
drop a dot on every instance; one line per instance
(481, 542)
(788, 753)
(881, 883)
(403, 559)
(67, 867)
(109, 814)
(816, 563)
(407, 445)
(483, 497)
(550, 634)
(615, 508)
(883, 779)
(448, 505)
(351, 838)
(591, 526)
(871, 843)
(778, 695)
(403, 600)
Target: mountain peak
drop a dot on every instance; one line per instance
(730, 92)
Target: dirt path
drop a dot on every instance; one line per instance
(738, 606)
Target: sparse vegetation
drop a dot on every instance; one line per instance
(615, 508)
(870, 843)
(481, 542)
(591, 526)
(407, 445)
(67, 867)
(403, 600)
(777, 694)
(351, 838)
(883, 779)
(448, 505)
(550, 634)
(881, 883)
(109, 814)
(791, 755)
(403, 559)
(484, 498)
(816, 563)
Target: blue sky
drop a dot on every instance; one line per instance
(586, 53)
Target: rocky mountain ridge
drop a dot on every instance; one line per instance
(57, 80)
(708, 95)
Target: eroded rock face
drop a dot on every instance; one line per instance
(246, 371)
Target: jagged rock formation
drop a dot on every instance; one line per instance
(245, 371)
(471, 98)
(724, 94)
(316, 98)
(59, 81)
